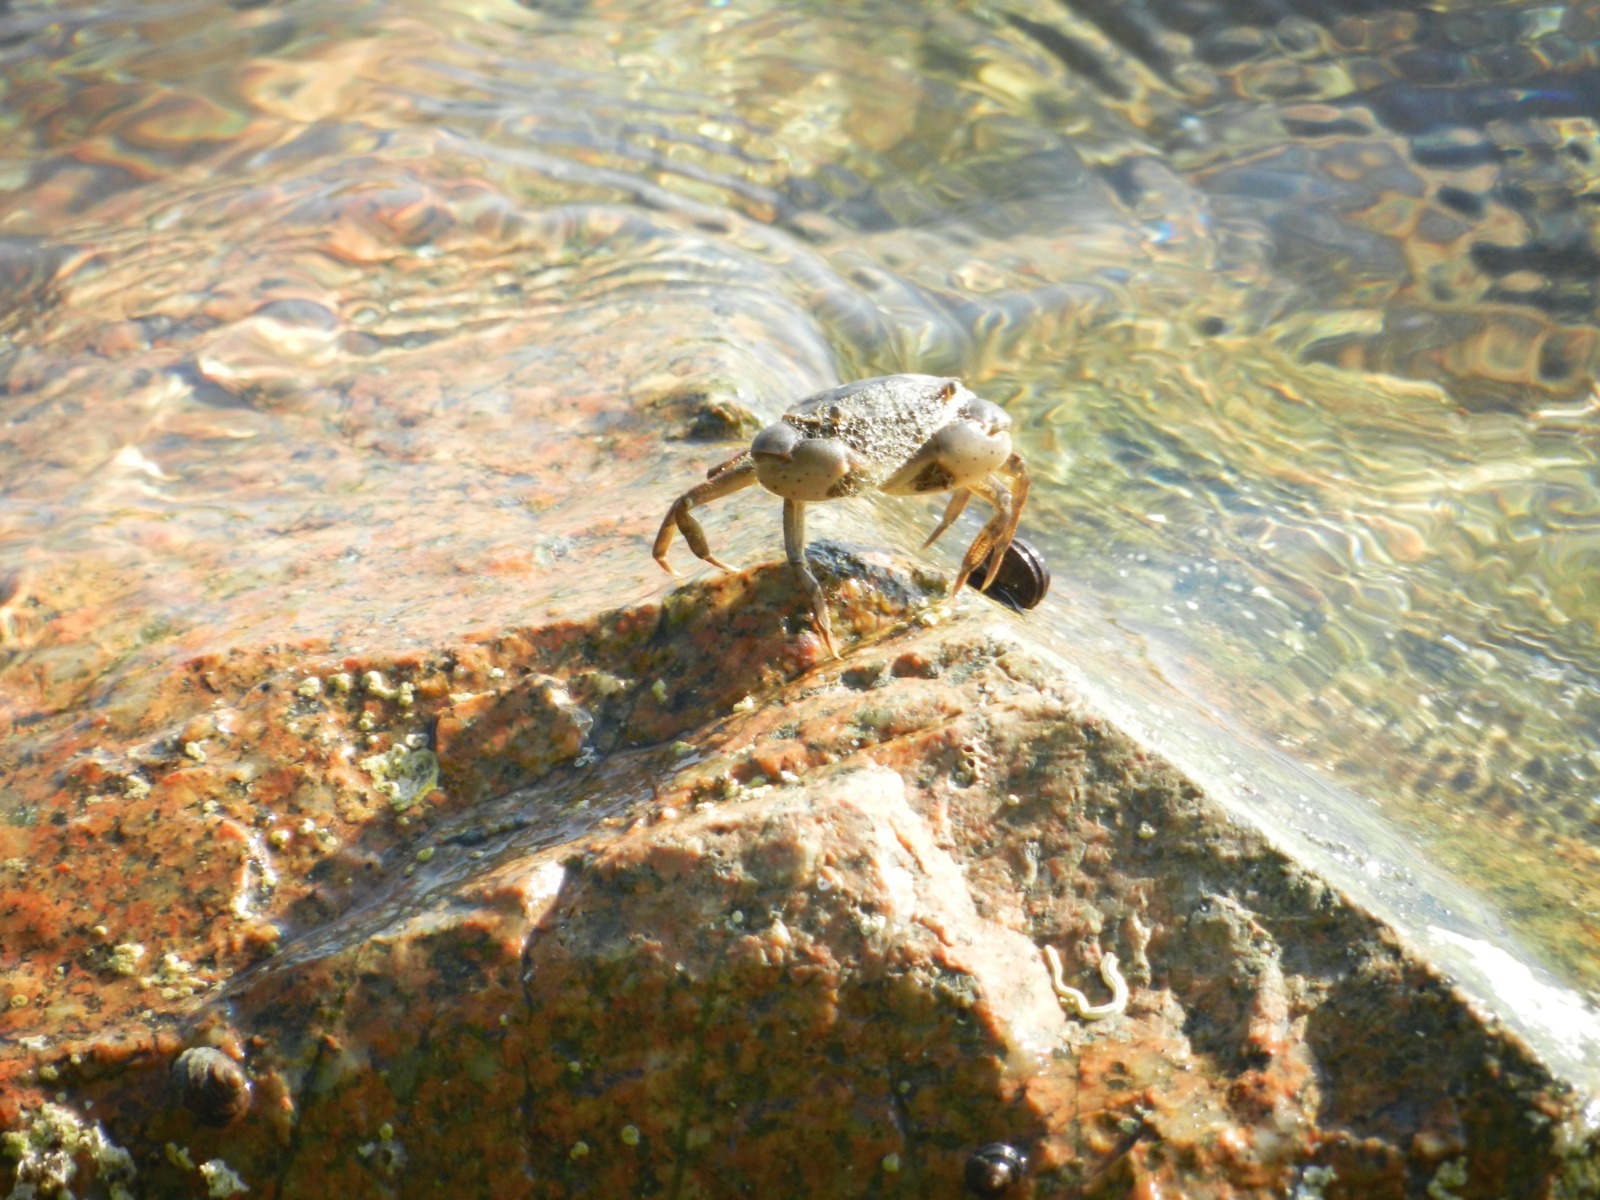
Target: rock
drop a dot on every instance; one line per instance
(784, 937)
(498, 740)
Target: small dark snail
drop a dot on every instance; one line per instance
(1022, 581)
(213, 1087)
(993, 1170)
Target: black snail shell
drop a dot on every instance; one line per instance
(995, 1169)
(1023, 578)
(213, 1087)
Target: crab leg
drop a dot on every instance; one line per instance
(732, 476)
(794, 544)
(958, 501)
(738, 460)
(1017, 471)
(994, 539)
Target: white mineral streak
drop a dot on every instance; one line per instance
(1076, 1001)
(541, 888)
(923, 884)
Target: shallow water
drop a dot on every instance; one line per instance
(1294, 310)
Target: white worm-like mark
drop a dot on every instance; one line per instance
(1076, 1002)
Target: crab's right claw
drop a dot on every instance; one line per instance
(734, 475)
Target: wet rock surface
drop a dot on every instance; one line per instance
(749, 922)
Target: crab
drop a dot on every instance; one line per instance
(900, 434)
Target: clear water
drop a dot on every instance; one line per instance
(1294, 313)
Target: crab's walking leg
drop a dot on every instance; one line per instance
(994, 539)
(1016, 471)
(794, 544)
(958, 501)
(738, 473)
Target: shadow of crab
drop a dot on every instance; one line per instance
(727, 636)
(854, 581)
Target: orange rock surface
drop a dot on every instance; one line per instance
(746, 923)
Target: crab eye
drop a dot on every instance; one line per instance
(776, 441)
(991, 417)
